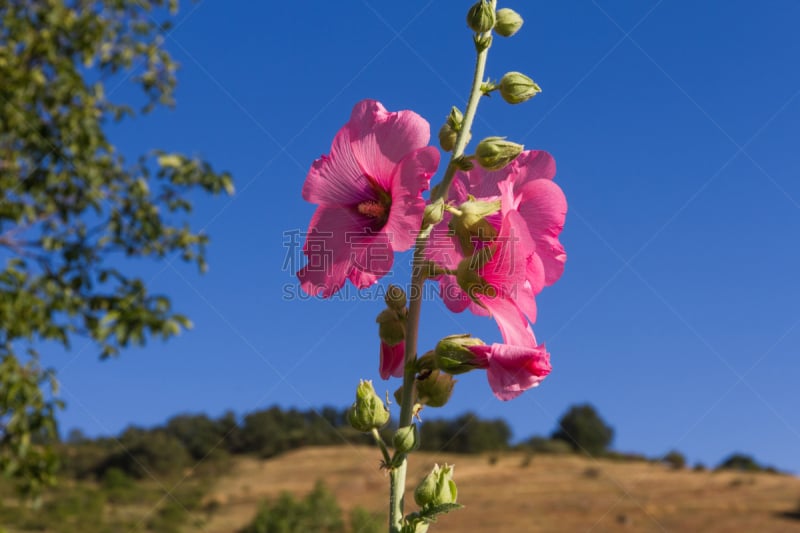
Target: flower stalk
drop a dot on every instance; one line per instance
(397, 476)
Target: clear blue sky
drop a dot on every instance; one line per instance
(674, 126)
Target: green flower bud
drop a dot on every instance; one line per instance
(449, 131)
(438, 488)
(426, 363)
(395, 298)
(406, 439)
(433, 214)
(473, 218)
(482, 41)
(455, 118)
(435, 388)
(368, 411)
(516, 88)
(481, 17)
(454, 356)
(447, 137)
(508, 22)
(391, 327)
(469, 222)
(494, 153)
(468, 277)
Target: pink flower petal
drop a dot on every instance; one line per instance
(543, 206)
(392, 360)
(453, 295)
(337, 179)
(382, 139)
(507, 269)
(339, 242)
(411, 178)
(514, 327)
(514, 369)
(533, 165)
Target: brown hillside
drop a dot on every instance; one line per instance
(552, 493)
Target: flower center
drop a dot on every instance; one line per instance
(373, 209)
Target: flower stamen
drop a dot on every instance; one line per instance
(373, 209)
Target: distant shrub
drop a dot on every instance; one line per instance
(362, 521)
(592, 473)
(546, 446)
(169, 518)
(699, 467)
(625, 456)
(584, 430)
(741, 463)
(675, 459)
(115, 480)
(86, 460)
(142, 453)
(200, 435)
(318, 512)
(465, 434)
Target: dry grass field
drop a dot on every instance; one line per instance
(551, 493)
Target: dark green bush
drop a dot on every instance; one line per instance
(465, 434)
(675, 459)
(584, 430)
(318, 512)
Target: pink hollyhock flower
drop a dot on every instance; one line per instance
(495, 278)
(369, 192)
(392, 360)
(513, 369)
(542, 205)
(524, 186)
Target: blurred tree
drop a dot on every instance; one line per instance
(675, 459)
(584, 430)
(200, 435)
(740, 462)
(465, 434)
(142, 454)
(71, 205)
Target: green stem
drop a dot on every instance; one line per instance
(440, 191)
(397, 476)
(387, 458)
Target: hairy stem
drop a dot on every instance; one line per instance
(387, 459)
(397, 477)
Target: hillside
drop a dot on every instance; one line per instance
(551, 493)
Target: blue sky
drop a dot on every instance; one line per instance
(674, 126)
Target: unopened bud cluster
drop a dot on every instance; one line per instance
(482, 18)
